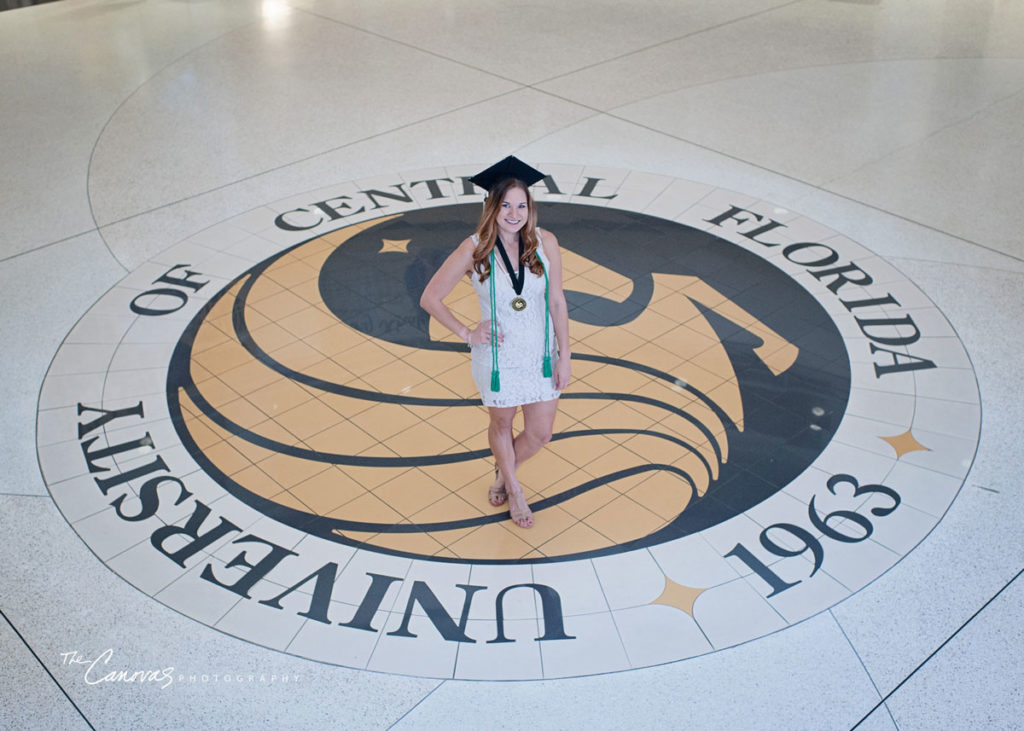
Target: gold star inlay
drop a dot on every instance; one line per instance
(678, 596)
(399, 245)
(905, 443)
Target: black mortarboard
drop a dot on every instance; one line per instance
(510, 167)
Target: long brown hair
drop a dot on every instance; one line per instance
(487, 230)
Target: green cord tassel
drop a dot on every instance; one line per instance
(546, 370)
(495, 381)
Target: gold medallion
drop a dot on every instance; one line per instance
(518, 304)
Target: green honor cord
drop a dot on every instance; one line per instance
(546, 364)
(545, 368)
(495, 374)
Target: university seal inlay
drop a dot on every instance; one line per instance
(280, 443)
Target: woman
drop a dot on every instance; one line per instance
(520, 347)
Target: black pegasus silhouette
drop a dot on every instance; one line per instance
(316, 389)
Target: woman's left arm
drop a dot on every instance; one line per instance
(559, 310)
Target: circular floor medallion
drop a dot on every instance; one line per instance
(261, 429)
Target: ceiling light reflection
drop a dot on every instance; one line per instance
(274, 11)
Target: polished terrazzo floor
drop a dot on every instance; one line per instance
(744, 519)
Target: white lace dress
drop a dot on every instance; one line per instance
(521, 353)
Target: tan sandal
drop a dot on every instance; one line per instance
(523, 517)
(496, 494)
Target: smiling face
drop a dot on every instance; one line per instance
(513, 212)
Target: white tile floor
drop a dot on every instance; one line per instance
(130, 127)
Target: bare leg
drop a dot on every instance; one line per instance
(538, 421)
(499, 434)
(539, 418)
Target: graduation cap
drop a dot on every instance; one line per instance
(510, 167)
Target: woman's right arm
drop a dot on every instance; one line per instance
(458, 264)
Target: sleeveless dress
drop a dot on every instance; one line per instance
(521, 353)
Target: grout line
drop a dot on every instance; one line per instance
(861, 661)
(537, 615)
(610, 612)
(936, 650)
(48, 245)
(417, 704)
(121, 105)
(923, 140)
(862, 61)
(99, 228)
(812, 186)
(307, 158)
(534, 84)
(683, 37)
(916, 259)
(531, 86)
(43, 666)
(419, 49)
(522, 86)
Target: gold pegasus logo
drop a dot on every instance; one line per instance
(383, 444)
